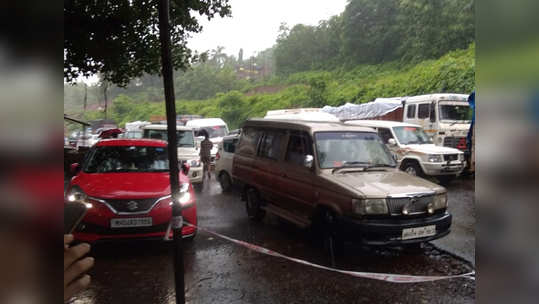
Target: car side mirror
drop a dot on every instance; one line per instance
(308, 161)
(74, 168)
(392, 142)
(185, 168)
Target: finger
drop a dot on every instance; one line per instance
(76, 287)
(74, 253)
(77, 269)
(68, 238)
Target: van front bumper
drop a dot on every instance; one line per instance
(452, 168)
(389, 231)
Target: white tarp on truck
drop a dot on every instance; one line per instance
(378, 107)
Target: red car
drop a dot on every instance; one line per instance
(126, 188)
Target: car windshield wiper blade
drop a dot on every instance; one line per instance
(350, 164)
(379, 165)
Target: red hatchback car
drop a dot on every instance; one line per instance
(126, 188)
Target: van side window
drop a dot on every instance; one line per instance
(423, 111)
(248, 141)
(385, 134)
(229, 145)
(298, 147)
(270, 145)
(411, 111)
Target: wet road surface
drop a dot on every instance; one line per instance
(218, 271)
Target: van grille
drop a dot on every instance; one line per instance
(419, 204)
(451, 157)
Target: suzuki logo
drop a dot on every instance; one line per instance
(132, 205)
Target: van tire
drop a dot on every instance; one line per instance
(413, 168)
(325, 231)
(225, 181)
(252, 205)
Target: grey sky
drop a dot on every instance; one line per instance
(254, 24)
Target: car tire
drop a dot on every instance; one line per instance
(253, 205)
(446, 179)
(225, 181)
(413, 168)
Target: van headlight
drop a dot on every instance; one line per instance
(435, 158)
(461, 156)
(440, 201)
(370, 206)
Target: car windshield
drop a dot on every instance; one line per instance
(185, 138)
(337, 149)
(411, 135)
(215, 131)
(461, 112)
(114, 159)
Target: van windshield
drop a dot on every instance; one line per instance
(336, 149)
(185, 138)
(215, 131)
(411, 135)
(455, 112)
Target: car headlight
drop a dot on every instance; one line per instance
(195, 163)
(370, 206)
(435, 158)
(76, 195)
(184, 197)
(440, 201)
(461, 156)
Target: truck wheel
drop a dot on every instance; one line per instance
(413, 168)
(225, 181)
(446, 179)
(252, 205)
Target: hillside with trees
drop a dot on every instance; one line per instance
(373, 49)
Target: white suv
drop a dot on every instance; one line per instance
(415, 151)
(223, 161)
(187, 150)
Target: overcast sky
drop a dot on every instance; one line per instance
(254, 24)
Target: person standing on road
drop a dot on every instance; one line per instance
(205, 155)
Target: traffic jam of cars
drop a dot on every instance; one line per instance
(371, 175)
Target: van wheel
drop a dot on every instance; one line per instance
(225, 181)
(413, 168)
(446, 179)
(325, 231)
(252, 205)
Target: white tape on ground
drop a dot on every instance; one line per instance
(387, 277)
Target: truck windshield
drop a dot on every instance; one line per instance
(336, 149)
(185, 138)
(453, 112)
(116, 159)
(411, 135)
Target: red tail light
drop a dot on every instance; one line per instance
(217, 156)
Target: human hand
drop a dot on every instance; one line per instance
(75, 267)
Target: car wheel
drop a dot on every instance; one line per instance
(252, 205)
(413, 168)
(446, 179)
(225, 181)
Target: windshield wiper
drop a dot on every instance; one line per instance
(378, 166)
(350, 164)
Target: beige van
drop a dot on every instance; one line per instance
(341, 178)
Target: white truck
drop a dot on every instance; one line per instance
(414, 150)
(187, 149)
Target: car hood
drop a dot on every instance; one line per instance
(431, 149)
(125, 185)
(382, 183)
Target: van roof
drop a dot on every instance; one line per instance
(164, 127)
(205, 122)
(380, 123)
(311, 126)
(439, 96)
(302, 114)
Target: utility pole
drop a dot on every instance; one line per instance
(177, 220)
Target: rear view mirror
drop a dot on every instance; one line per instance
(392, 142)
(74, 168)
(308, 161)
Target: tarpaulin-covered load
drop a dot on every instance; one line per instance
(376, 108)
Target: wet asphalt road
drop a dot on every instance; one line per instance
(218, 271)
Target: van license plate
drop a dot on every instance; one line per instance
(131, 222)
(418, 232)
